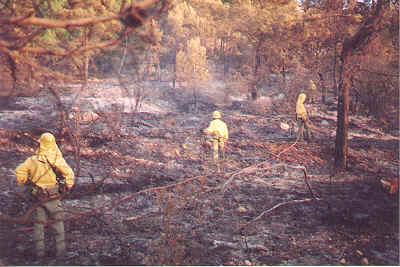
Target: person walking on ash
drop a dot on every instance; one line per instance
(302, 118)
(218, 134)
(37, 173)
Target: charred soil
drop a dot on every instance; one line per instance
(149, 194)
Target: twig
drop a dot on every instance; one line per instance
(279, 205)
(287, 149)
(245, 170)
(283, 203)
(252, 167)
(305, 177)
(146, 124)
(217, 243)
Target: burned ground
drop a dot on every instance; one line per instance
(152, 196)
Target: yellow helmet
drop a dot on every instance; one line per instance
(216, 115)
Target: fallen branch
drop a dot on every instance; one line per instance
(252, 168)
(232, 245)
(134, 218)
(246, 170)
(280, 205)
(287, 149)
(218, 244)
(305, 178)
(145, 123)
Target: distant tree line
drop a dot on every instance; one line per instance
(348, 48)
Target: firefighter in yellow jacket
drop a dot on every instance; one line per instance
(37, 173)
(218, 132)
(302, 118)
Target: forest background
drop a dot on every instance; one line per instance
(231, 46)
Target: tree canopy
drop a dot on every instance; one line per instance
(249, 45)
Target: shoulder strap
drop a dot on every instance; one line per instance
(56, 172)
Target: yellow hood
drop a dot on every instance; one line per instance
(300, 109)
(48, 148)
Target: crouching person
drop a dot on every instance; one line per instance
(37, 172)
(218, 135)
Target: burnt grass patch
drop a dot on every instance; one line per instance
(152, 196)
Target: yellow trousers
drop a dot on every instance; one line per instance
(218, 147)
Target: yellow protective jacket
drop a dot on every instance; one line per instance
(301, 111)
(218, 128)
(37, 168)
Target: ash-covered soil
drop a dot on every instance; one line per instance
(148, 194)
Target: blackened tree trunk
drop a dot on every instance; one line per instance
(86, 57)
(174, 65)
(341, 147)
(323, 87)
(224, 57)
(257, 64)
(283, 72)
(335, 86)
(350, 46)
(13, 70)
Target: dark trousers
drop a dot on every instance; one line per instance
(49, 210)
(302, 125)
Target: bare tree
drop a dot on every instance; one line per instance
(21, 26)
